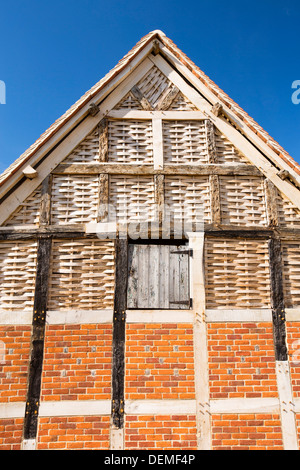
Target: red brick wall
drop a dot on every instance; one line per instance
(77, 362)
(11, 431)
(246, 432)
(159, 361)
(14, 360)
(161, 432)
(74, 433)
(241, 360)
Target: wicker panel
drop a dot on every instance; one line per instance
(87, 151)
(288, 214)
(74, 199)
(129, 102)
(237, 274)
(188, 197)
(184, 142)
(29, 211)
(153, 85)
(226, 152)
(130, 142)
(82, 275)
(242, 200)
(181, 103)
(132, 198)
(17, 274)
(291, 273)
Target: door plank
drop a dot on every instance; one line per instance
(158, 277)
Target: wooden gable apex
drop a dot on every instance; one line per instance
(118, 95)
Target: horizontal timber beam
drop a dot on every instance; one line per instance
(171, 115)
(17, 233)
(124, 169)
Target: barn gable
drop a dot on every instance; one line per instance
(149, 246)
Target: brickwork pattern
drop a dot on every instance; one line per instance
(246, 432)
(241, 360)
(159, 362)
(161, 432)
(77, 362)
(14, 358)
(74, 433)
(11, 431)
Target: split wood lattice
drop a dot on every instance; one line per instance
(82, 275)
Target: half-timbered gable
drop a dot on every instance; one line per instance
(150, 271)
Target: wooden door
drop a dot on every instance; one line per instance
(158, 277)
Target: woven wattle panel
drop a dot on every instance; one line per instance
(17, 274)
(82, 274)
(226, 152)
(130, 142)
(242, 200)
(28, 213)
(74, 199)
(288, 214)
(87, 151)
(184, 142)
(237, 274)
(153, 85)
(188, 197)
(131, 198)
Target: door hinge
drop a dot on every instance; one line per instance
(183, 252)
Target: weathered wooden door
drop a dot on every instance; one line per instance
(158, 277)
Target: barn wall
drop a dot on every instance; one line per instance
(78, 369)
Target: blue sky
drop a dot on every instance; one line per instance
(53, 52)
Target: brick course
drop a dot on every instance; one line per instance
(77, 362)
(161, 432)
(11, 431)
(241, 360)
(246, 432)
(74, 433)
(14, 359)
(159, 361)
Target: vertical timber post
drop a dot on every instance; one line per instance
(288, 421)
(277, 300)
(37, 343)
(118, 361)
(203, 421)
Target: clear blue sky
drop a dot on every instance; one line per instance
(53, 52)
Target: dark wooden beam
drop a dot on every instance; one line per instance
(103, 198)
(45, 206)
(167, 98)
(234, 232)
(120, 169)
(277, 300)
(119, 319)
(217, 109)
(211, 141)
(159, 194)
(215, 201)
(138, 95)
(271, 203)
(103, 140)
(93, 109)
(37, 339)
